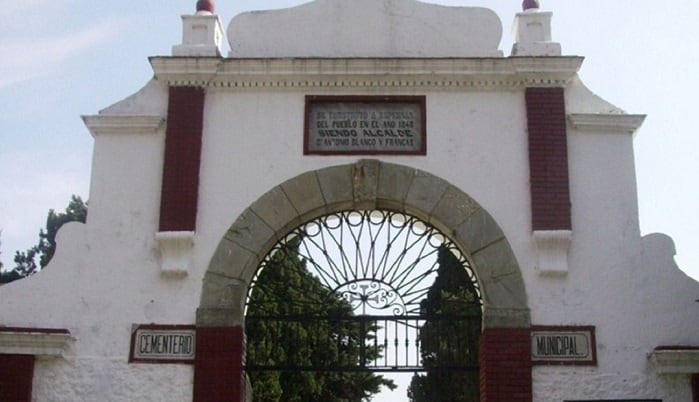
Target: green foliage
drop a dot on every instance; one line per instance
(26, 262)
(7, 277)
(294, 321)
(447, 342)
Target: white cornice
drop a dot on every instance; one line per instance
(34, 342)
(598, 122)
(675, 361)
(122, 124)
(513, 72)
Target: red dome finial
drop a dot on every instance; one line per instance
(530, 4)
(206, 5)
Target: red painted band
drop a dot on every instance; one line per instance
(16, 374)
(180, 187)
(548, 159)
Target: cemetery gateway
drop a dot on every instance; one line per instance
(414, 174)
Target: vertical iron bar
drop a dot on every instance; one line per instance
(385, 344)
(376, 343)
(362, 343)
(407, 344)
(395, 342)
(417, 342)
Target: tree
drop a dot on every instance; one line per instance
(449, 341)
(296, 322)
(26, 262)
(7, 277)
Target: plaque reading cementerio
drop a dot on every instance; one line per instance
(365, 125)
(152, 343)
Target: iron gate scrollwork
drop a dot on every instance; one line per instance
(364, 291)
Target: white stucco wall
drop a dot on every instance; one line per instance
(106, 276)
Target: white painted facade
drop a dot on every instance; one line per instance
(108, 274)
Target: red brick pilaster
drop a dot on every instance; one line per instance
(505, 365)
(16, 374)
(218, 365)
(548, 159)
(180, 187)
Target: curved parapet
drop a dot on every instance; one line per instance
(149, 100)
(41, 292)
(366, 28)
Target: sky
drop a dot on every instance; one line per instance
(61, 59)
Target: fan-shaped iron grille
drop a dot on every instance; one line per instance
(377, 279)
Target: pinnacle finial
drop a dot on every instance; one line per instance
(530, 5)
(206, 6)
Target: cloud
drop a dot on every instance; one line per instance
(15, 8)
(30, 58)
(32, 15)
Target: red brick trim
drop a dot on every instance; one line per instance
(548, 159)
(218, 365)
(505, 365)
(180, 187)
(35, 330)
(676, 347)
(16, 374)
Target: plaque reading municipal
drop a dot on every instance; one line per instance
(365, 125)
(565, 345)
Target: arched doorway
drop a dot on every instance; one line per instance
(365, 185)
(350, 296)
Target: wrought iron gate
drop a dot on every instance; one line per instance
(382, 343)
(355, 291)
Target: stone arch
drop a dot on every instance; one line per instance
(367, 184)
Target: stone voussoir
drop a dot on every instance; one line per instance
(218, 317)
(393, 186)
(275, 209)
(496, 260)
(425, 192)
(365, 179)
(336, 185)
(221, 291)
(304, 193)
(229, 257)
(499, 275)
(453, 209)
(478, 231)
(251, 233)
(494, 317)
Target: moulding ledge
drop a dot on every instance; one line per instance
(38, 342)
(607, 122)
(675, 361)
(122, 124)
(367, 72)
